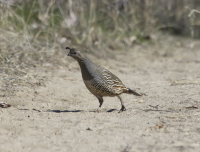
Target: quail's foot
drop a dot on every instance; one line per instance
(98, 110)
(122, 109)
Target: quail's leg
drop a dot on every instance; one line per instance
(100, 103)
(122, 103)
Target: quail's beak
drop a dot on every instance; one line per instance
(69, 51)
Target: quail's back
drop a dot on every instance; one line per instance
(99, 81)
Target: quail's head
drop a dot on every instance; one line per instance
(75, 54)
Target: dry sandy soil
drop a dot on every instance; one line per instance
(53, 111)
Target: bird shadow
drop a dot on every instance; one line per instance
(75, 111)
(60, 111)
(111, 110)
(23, 109)
(103, 110)
(56, 111)
(94, 111)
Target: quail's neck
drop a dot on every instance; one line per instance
(87, 68)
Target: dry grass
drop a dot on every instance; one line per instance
(35, 32)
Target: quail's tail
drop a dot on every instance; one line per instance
(133, 92)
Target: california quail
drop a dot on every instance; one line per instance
(99, 81)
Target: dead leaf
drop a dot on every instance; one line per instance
(159, 126)
(4, 105)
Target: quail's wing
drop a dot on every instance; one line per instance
(110, 79)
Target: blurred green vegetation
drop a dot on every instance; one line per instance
(36, 30)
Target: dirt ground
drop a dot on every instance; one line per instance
(53, 111)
